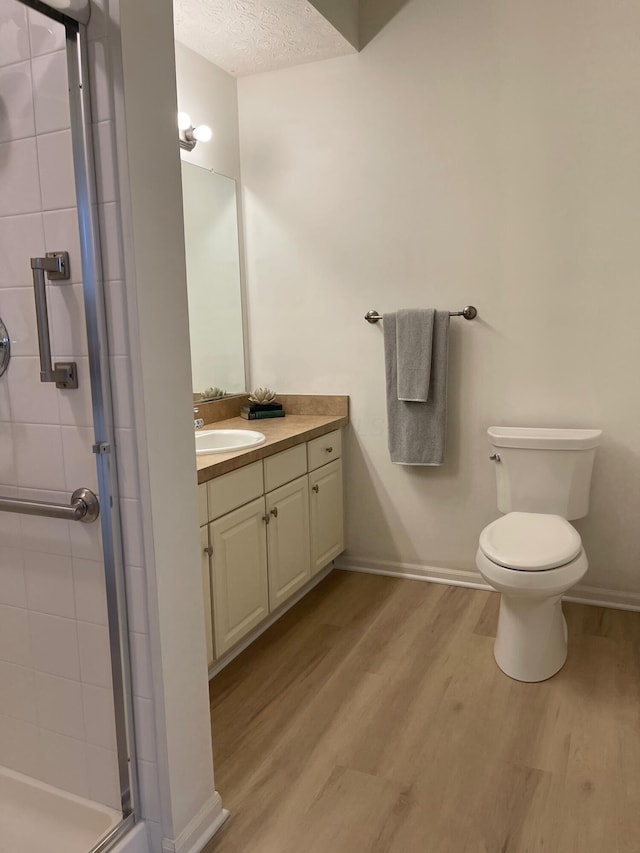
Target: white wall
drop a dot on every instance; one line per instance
(474, 152)
(186, 805)
(210, 96)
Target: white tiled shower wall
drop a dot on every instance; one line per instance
(56, 707)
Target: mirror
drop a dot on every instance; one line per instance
(213, 280)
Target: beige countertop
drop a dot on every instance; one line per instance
(281, 433)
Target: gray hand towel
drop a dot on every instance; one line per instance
(417, 431)
(414, 340)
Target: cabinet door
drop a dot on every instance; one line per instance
(288, 539)
(327, 526)
(202, 504)
(239, 573)
(206, 591)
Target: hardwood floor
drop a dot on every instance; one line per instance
(372, 718)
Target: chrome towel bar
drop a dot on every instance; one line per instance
(84, 507)
(469, 312)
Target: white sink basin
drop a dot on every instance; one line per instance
(225, 440)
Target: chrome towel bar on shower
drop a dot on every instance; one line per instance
(469, 312)
(84, 507)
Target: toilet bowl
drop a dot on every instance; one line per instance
(532, 559)
(532, 555)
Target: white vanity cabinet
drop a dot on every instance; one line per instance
(205, 562)
(326, 507)
(287, 495)
(271, 526)
(288, 540)
(205, 551)
(239, 585)
(326, 515)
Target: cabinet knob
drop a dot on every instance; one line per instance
(328, 450)
(209, 551)
(315, 488)
(274, 512)
(265, 518)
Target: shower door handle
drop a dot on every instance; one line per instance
(84, 506)
(56, 267)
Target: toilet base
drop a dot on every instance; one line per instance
(531, 644)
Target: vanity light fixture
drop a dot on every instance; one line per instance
(189, 135)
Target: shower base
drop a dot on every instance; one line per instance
(37, 818)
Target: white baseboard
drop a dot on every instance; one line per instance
(412, 571)
(226, 659)
(616, 599)
(604, 597)
(200, 829)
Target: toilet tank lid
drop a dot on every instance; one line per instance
(530, 541)
(537, 438)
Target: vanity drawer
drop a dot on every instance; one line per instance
(324, 449)
(203, 514)
(234, 489)
(284, 467)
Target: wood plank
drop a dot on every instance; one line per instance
(372, 718)
(488, 622)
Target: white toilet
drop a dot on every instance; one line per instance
(532, 555)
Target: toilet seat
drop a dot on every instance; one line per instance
(530, 542)
(533, 585)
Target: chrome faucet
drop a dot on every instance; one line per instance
(198, 423)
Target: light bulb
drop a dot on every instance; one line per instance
(202, 133)
(184, 121)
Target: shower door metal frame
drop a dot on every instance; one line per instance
(102, 404)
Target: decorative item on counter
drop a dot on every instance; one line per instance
(246, 412)
(262, 405)
(262, 396)
(212, 394)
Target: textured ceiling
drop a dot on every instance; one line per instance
(249, 36)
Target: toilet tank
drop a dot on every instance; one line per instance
(544, 470)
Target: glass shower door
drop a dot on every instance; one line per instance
(65, 721)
